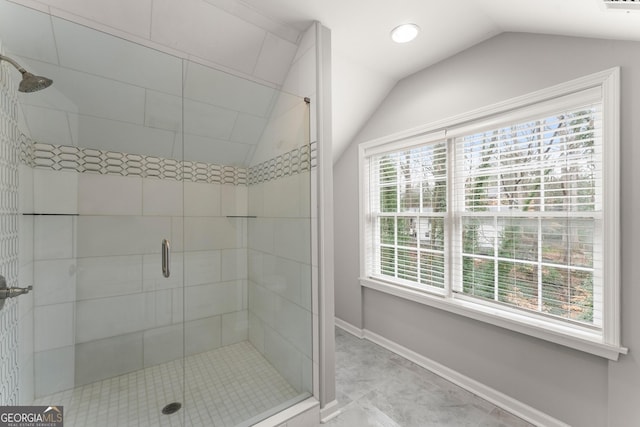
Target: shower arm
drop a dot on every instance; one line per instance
(12, 62)
(29, 82)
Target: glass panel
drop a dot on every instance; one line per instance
(478, 277)
(413, 185)
(106, 143)
(518, 284)
(518, 239)
(388, 170)
(223, 327)
(247, 248)
(414, 180)
(479, 236)
(388, 182)
(430, 233)
(387, 231)
(408, 265)
(406, 231)
(554, 275)
(388, 261)
(568, 241)
(581, 295)
(568, 293)
(410, 198)
(422, 179)
(388, 198)
(546, 164)
(432, 269)
(555, 291)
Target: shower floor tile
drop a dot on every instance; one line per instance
(224, 387)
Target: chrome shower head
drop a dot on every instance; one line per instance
(30, 82)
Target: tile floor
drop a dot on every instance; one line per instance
(376, 387)
(229, 386)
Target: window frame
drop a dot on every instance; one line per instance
(604, 342)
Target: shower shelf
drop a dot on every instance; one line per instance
(50, 214)
(70, 214)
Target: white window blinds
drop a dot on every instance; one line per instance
(508, 214)
(408, 209)
(529, 209)
(521, 224)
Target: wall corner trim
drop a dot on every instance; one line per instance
(499, 399)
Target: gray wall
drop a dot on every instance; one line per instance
(577, 388)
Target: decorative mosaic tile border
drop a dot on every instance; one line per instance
(25, 150)
(294, 162)
(88, 160)
(314, 154)
(69, 158)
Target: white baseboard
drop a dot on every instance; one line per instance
(499, 399)
(329, 412)
(348, 327)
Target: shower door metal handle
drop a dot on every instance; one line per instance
(166, 258)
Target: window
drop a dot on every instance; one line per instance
(410, 196)
(508, 215)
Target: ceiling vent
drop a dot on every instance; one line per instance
(622, 4)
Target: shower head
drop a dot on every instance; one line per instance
(29, 83)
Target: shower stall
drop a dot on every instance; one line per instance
(163, 211)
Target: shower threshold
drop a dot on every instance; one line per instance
(225, 387)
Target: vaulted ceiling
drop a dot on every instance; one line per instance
(257, 38)
(367, 63)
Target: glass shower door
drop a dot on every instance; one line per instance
(247, 268)
(102, 164)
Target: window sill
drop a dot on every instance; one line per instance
(588, 342)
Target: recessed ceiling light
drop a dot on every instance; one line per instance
(404, 33)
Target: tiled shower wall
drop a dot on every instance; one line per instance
(26, 302)
(283, 268)
(102, 305)
(280, 283)
(64, 339)
(16, 318)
